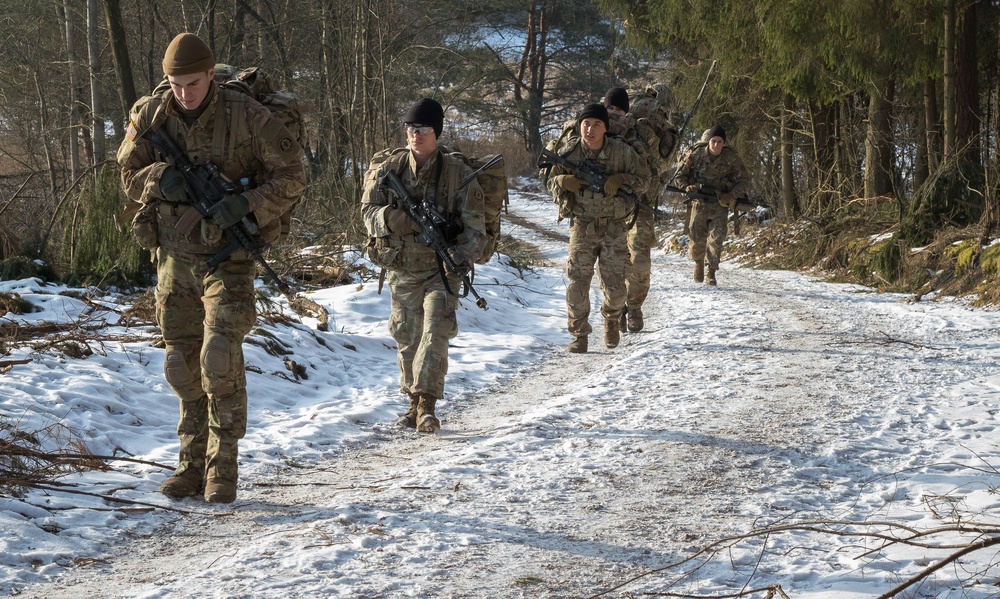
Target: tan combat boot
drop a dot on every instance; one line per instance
(578, 345)
(409, 419)
(699, 272)
(611, 333)
(185, 482)
(427, 422)
(711, 277)
(634, 320)
(222, 471)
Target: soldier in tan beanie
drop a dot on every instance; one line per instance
(204, 313)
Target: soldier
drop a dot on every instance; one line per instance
(423, 294)
(598, 225)
(714, 168)
(205, 313)
(641, 134)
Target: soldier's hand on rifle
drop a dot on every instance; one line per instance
(728, 200)
(691, 190)
(172, 186)
(613, 184)
(229, 210)
(399, 222)
(570, 183)
(461, 256)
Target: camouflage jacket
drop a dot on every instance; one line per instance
(437, 180)
(616, 157)
(239, 136)
(725, 172)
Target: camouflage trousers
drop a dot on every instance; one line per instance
(641, 238)
(422, 321)
(604, 243)
(708, 232)
(204, 316)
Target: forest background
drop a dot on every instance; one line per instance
(870, 127)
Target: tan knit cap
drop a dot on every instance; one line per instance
(187, 54)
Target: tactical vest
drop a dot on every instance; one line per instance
(230, 148)
(406, 253)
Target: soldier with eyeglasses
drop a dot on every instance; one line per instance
(423, 294)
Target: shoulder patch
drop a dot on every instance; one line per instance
(131, 131)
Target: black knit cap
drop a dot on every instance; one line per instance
(617, 96)
(594, 111)
(426, 112)
(716, 131)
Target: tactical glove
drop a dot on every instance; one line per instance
(460, 255)
(399, 222)
(172, 186)
(728, 200)
(613, 184)
(229, 210)
(691, 191)
(570, 183)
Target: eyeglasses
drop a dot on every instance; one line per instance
(424, 130)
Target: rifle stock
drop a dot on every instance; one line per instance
(429, 219)
(593, 175)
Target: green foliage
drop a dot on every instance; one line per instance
(989, 259)
(22, 267)
(15, 304)
(887, 259)
(98, 250)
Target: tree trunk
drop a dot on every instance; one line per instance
(529, 84)
(788, 199)
(879, 141)
(948, 118)
(934, 141)
(120, 54)
(921, 168)
(96, 100)
(967, 113)
(74, 99)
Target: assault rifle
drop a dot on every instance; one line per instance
(432, 222)
(708, 194)
(206, 186)
(593, 174)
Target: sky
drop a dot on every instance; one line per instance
(775, 430)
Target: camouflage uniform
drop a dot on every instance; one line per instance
(422, 319)
(204, 314)
(726, 174)
(598, 232)
(642, 235)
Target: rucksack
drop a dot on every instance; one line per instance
(653, 108)
(283, 105)
(495, 199)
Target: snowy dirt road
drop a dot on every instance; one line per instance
(772, 396)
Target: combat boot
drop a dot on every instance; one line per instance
(634, 320)
(578, 345)
(710, 280)
(699, 272)
(427, 422)
(409, 419)
(222, 472)
(186, 482)
(611, 333)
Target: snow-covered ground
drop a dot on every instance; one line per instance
(773, 400)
